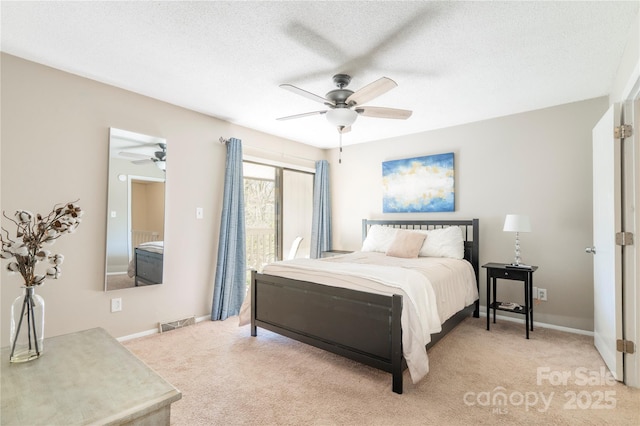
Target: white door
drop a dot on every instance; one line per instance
(607, 265)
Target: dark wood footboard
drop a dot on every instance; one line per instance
(361, 326)
(148, 267)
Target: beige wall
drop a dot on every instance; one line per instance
(536, 163)
(55, 133)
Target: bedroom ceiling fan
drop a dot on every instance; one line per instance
(159, 158)
(345, 105)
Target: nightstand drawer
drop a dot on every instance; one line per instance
(509, 274)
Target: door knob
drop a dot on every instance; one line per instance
(591, 250)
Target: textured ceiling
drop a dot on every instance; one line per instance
(454, 62)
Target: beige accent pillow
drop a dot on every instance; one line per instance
(406, 244)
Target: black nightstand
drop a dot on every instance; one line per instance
(330, 253)
(507, 272)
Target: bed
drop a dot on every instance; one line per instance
(301, 300)
(147, 263)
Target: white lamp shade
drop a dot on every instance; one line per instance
(341, 117)
(517, 223)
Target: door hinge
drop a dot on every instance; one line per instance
(625, 346)
(624, 238)
(622, 131)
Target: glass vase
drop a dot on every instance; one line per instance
(27, 326)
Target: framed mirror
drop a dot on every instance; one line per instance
(136, 210)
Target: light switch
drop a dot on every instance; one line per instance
(113, 213)
(199, 213)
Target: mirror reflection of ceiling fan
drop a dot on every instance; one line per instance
(159, 157)
(345, 105)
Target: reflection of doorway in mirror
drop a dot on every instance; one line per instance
(147, 212)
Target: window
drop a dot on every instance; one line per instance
(278, 209)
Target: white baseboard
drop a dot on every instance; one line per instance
(482, 314)
(153, 331)
(542, 324)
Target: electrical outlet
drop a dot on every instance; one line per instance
(116, 304)
(535, 293)
(542, 294)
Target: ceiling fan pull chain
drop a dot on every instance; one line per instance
(340, 155)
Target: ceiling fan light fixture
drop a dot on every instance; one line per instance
(162, 165)
(341, 117)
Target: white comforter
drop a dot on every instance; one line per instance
(433, 289)
(453, 280)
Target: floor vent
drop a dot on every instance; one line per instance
(168, 326)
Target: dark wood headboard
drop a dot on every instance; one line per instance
(470, 234)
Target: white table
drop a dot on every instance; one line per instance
(82, 378)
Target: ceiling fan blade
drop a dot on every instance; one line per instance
(315, 42)
(381, 112)
(306, 114)
(371, 91)
(306, 94)
(148, 160)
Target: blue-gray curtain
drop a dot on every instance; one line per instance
(321, 221)
(229, 286)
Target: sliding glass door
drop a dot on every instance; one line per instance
(278, 211)
(297, 211)
(260, 188)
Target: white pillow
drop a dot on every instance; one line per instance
(379, 238)
(443, 242)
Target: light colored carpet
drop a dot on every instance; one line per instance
(228, 377)
(120, 281)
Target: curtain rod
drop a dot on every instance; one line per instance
(282, 154)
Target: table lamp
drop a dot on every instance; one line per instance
(517, 223)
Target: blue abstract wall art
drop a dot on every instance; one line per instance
(418, 185)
